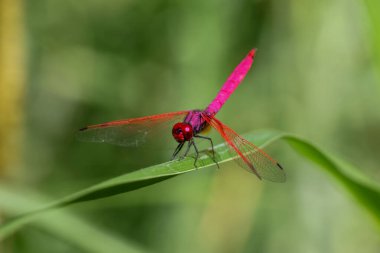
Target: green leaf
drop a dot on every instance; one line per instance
(61, 223)
(365, 192)
(373, 6)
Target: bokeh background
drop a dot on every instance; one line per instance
(67, 64)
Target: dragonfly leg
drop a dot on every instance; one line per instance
(176, 151)
(196, 152)
(179, 147)
(187, 151)
(192, 143)
(212, 148)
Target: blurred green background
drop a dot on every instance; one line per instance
(67, 64)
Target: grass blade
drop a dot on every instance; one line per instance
(61, 223)
(367, 194)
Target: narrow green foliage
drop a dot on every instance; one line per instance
(366, 193)
(62, 223)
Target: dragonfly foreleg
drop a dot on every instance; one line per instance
(191, 143)
(188, 149)
(176, 151)
(212, 147)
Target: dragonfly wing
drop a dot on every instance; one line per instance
(133, 132)
(250, 157)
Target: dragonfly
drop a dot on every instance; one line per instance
(191, 125)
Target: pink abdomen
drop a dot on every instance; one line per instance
(231, 84)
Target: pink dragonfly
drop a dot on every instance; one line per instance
(189, 126)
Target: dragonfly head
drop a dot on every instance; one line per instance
(182, 132)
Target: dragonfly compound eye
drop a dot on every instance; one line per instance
(182, 132)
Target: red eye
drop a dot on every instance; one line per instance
(182, 132)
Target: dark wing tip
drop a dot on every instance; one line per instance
(83, 128)
(254, 171)
(280, 166)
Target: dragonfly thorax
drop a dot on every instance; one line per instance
(196, 119)
(182, 132)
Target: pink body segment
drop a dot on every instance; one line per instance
(231, 84)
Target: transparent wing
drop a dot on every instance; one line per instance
(133, 132)
(250, 157)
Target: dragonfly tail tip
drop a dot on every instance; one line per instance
(83, 128)
(252, 52)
